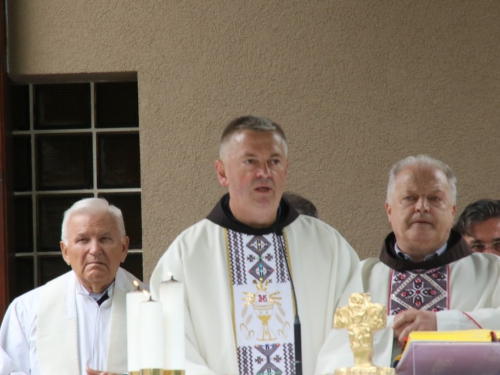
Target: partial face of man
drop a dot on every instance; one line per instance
(253, 166)
(94, 250)
(485, 237)
(421, 210)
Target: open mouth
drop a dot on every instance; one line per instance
(263, 189)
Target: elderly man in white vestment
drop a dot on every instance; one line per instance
(426, 275)
(76, 323)
(237, 265)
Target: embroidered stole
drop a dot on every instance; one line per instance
(419, 289)
(57, 329)
(263, 309)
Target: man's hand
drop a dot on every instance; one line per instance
(413, 320)
(95, 372)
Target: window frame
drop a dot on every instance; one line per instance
(94, 132)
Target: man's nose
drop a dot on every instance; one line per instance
(263, 170)
(95, 247)
(488, 249)
(422, 205)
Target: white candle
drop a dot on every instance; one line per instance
(151, 335)
(134, 300)
(172, 300)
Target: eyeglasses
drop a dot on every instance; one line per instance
(480, 247)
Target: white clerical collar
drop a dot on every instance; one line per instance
(96, 296)
(405, 256)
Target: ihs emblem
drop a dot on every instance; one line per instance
(263, 307)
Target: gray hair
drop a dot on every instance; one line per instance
(477, 212)
(422, 160)
(253, 123)
(92, 206)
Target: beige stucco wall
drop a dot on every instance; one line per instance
(357, 85)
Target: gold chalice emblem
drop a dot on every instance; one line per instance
(264, 312)
(263, 307)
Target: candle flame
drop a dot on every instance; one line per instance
(170, 275)
(136, 283)
(148, 295)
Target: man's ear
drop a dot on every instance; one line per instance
(221, 173)
(64, 251)
(125, 243)
(388, 210)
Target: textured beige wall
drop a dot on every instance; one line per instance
(357, 85)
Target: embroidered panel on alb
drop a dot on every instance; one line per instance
(419, 289)
(263, 305)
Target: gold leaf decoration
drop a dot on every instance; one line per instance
(279, 319)
(249, 319)
(282, 311)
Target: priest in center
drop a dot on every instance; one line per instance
(76, 323)
(426, 275)
(240, 265)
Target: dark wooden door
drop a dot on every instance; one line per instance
(6, 252)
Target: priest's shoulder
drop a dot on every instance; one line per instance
(482, 261)
(311, 225)
(28, 299)
(370, 265)
(199, 231)
(32, 297)
(28, 302)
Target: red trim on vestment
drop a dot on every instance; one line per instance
(448, 290)
(470, 317)
(390, 293)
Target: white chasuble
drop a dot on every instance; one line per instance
(237, 325)
(263, 308)
(58, 332)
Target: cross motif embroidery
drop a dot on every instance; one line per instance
(419, 289)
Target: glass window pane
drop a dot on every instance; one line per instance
(133, 264)
(62, 106)
(25, 277)
(20, 107)
(130, 205)
(118, 160)
(50, 267)
(50, 215)
(117, 105)
(64, 162)
(22, 158)
(23, 211)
